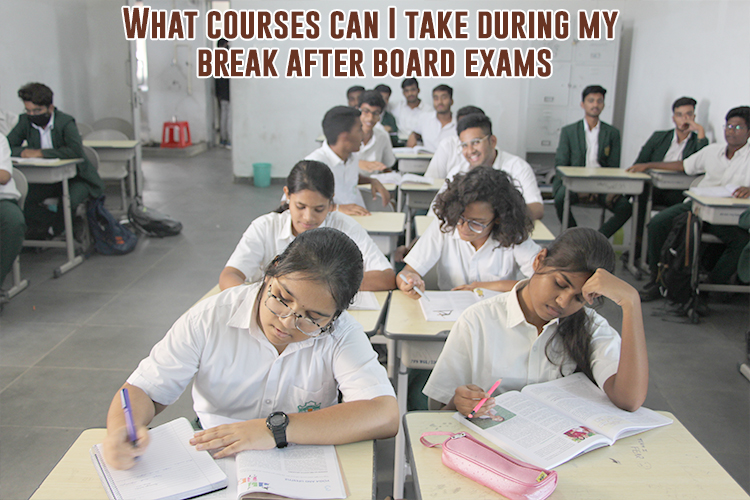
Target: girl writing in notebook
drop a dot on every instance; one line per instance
(481, 237)
(267, 361)
(541, 331)
(309, 193)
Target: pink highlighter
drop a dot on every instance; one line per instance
(484, 400)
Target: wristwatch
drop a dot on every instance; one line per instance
(277, 422)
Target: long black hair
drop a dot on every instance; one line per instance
(312, 175)
(512, 224)
(578, 250)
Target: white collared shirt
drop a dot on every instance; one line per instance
(720, 170)
(237, 373)
(7, 190)
(433, 131)
(592, 144)
(493, 340)
(45, 133)
(378, 149)
(447, 157)
(674, 153)
(345, 174)
(270, 234)
(459, 263)
(406, 117)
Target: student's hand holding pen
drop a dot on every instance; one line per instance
(408, 281)
(234, 438)
(466, 398)
(119, 451)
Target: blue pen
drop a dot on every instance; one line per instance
(125, 398)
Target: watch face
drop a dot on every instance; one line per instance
(277, 419)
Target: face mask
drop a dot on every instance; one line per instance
(40, 120)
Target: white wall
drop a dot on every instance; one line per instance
(668, 49)
(73, 46)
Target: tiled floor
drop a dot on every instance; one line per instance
(67, 344)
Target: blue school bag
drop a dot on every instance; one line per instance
(110, 237)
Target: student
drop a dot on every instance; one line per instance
(50, 133)
(591, 143)
(309, 193)
(12, 223)
(284, 345)
(342, 128)
(387, 120)
(407, 112)
(481, 237)
(352, 95)
(221, 88)
(478, 146)
(676, 144)
(376, 152)
(723, 165)
(540, 331)
(435, 126)
(448, 153)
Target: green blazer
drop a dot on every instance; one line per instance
(571, 151)
(658, 145)
(66, 142)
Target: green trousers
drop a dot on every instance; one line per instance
(39, 217)
(733, 237)
(621, 208)
(12, 230)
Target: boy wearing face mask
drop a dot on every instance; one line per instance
(50, 133)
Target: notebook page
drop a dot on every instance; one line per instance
(365, 301)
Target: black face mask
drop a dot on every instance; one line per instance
(40, 120)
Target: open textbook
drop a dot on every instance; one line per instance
(448, 305)
(398, 178)
(550, 423)
(173, 469)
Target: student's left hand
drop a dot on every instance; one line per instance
(233, 438)
(604, 284)
(31, 153)
(469, 286)
(638, 167)
(741, 192)
(372, 166)
(377, 187)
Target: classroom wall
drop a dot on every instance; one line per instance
(74, 47)
(668, 48)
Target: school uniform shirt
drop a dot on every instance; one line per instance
(378, 149)
(663, 146)
(345, 174)
(720, 170)
(572, 151)
(492, 340)
(237, 373)
(270, 234)
(447, 157)
(459, 263)
(592, 145)
(406, 117)
(7, 190)
(432, 131)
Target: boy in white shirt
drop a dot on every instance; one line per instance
(407, 112)
(376, 152)
(434, 127)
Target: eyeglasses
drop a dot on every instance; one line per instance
(370, 112)
(307, 326)
(473, 143)
(475, 226)
(37, 111)
(735, 128)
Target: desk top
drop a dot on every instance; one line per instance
(75, 478)
(45, 162)
(382, 222)
(113, 144)
(719, 202)
(406, 321)
(403, 155)
(541, 232)
(667, 462)
(418, 186)
(602, 173)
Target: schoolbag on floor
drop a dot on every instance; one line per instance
(677, 259)
(110, 237)
(151, 222)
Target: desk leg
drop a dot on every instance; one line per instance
(644, 239)
(407, 237)
(566, 209)
(399, 455)
(399, 199)
(131, 180)
(635, 271)
(73, 261)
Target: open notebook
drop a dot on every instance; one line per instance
(448, 305)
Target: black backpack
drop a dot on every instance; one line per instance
(110, 237)
(151, 222)
(677, 259)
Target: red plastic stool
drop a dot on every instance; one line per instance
(175, 135)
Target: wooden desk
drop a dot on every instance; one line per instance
(541, 232)
(384, 228)
(719, 211)
(667, 462)
(118, 150)
(415, 163)
(52, 172)
(605, 181)
(74, 476)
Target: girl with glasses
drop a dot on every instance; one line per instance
(276, 351)
(481, 237)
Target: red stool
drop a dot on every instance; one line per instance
(175, 135)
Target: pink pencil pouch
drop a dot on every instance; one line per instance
(511, 478)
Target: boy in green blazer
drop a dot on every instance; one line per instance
(50, 133)
(591, 143)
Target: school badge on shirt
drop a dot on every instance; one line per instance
(309, 406)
